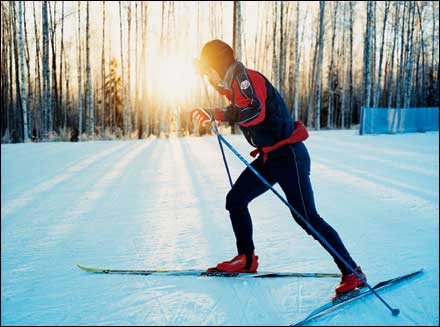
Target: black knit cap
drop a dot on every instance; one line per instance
(218, 55)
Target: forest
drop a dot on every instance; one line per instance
(92, 70)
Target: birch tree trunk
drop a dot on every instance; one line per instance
(29, 99)
(434, 29)
(123, 95)
(330, 72)
(23, 82)
(237, 30)
(373, 55)
(312, 84)
(60, 79)
(344, 68)
(53, 24)
(89, 102)
(129, 123)
(103, 68)
(4, 80)
(318, 78)
(136, 64)
(350, 76)
(390, 76)
(38, 117)
(11, 111)
(422, 50)
(409, 61)
(401, 62)
(275, 63)
(80, 97)
(145, 108)
(295, 99)
(47, 111)
(18, 121)
(367, 46)
(282, 62)
(379, 83)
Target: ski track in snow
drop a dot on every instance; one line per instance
(160, 203)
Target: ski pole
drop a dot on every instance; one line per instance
(216, 131)
(395, 312)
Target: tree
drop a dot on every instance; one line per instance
(344, 68)
(395, 31)
(282, 64)
(367, 58)
(52, 30)
(60, 79)
(128, 101)
(103, 67)
(373, 55)
(350, 75)
(80, 99)
(23, 84)
(422, 97)
(312, 84)
(236, 30)
(275, 63)
(89, 102)
(38, 73)
(379, 83)
(47, 108)
(401, 62)
(330, 73)
(409, 61)
(29, 96)
(295, 100)
(145, 123)
(318, 79)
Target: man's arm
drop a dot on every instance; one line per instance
(250, 97)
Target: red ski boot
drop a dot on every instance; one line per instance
(349, 282)
(238, 264)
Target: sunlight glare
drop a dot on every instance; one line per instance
(176, 78)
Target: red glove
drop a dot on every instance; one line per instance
(201, 116)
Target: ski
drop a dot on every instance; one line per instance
(354, 295)
(204, 273)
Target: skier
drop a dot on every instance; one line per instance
(264, 119)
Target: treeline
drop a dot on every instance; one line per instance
(91, 70)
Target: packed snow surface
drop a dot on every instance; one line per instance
(160, 204)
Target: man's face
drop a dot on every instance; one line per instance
(212, 75)
(205, 69)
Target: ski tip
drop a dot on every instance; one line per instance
(88, 269)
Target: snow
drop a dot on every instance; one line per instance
(159, 203)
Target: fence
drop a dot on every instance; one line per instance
(398, 120)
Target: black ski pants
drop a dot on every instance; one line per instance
(288, 166)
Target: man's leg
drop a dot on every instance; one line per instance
(247, 187)
(293, 175)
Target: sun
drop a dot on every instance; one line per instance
(175, 78)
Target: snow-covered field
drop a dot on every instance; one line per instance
(159, 203)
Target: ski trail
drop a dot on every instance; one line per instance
(23, 199)
(90, 197)
(373, 149)
(204, 201)
(431, 171)
(417, 192)
(381, 192)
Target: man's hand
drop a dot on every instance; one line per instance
(201, 117)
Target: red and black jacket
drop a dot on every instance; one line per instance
(258, 108)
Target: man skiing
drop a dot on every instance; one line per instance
(264, 119)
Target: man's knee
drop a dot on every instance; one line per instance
(234, 201)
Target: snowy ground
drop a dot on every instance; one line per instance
(159, 203)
